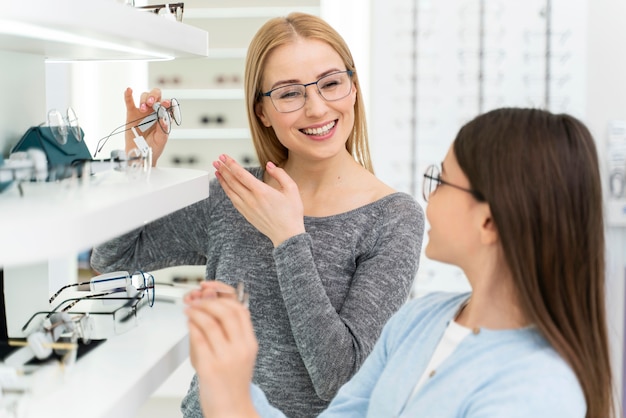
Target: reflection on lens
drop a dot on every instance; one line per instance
(164, 119)
(72, 119)
(57, 126)
(124, 319)
(175, 112)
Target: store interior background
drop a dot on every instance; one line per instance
(426, 67)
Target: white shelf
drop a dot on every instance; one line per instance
(117, 377)
(204, 94)
(52, 220)
(246, 12)
(214, 133)
(95, 29)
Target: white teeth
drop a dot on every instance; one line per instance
(321, 130)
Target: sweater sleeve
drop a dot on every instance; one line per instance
(175, 239)
(333, 344)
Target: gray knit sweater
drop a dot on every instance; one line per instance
(318, 301)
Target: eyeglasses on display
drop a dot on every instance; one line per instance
(99, 283)
(102, 324)
(130, 293)
(175, 10)
(61, 125)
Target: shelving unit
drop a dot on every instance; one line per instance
(52, 222)
(212, 88)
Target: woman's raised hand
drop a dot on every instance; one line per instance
(154, 136)
(277, 212)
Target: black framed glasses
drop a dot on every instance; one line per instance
(171, 9)
(124, 316)
(432, 181)
(161, 113)
(145, 289)
(61, 126)
(99, 283)
(292, 97)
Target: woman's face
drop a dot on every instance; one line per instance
(454, 217)
(320, 129)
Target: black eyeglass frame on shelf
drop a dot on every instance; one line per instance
(132, 303)
(176, 9)
(121, 275)
(167, 114)
(67, 304)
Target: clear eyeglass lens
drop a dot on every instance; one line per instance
(85, 328)
(335, 86)
(72, 120)
(431, 182)
(149, 285)
(124, 319)
(146, 282)
(57, 126)
(174, 111)
(164, 120)
(293, 97)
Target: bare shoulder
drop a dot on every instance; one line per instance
(374, 187)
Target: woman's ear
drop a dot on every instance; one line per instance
(258, 110)
(488, 231)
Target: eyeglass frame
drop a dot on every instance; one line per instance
(350, 73)
(80, 321)
(108, 279)
(146, 120)
(176, 9)
(141, 292)
(428, 177)
(131, 302)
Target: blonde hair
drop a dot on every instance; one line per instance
(280, 31)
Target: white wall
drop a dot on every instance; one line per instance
(606, 101)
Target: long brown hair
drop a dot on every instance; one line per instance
(539, 173)
(279, 31)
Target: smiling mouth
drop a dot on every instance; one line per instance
(322, 130)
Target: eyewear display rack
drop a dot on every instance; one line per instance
(53, 222)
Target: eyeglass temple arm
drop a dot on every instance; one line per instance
(146, 119)
(82, 284)
(130, 300)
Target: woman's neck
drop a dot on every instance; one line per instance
(493, 305)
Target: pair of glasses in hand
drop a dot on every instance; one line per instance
(163, 115)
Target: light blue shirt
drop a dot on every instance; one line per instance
(505, 373)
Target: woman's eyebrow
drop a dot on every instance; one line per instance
(295, 81)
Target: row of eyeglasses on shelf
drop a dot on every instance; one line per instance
(55, 151)
(111, 306)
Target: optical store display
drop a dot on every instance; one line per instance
(56, 151)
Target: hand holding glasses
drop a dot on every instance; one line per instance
(213, 288)
(164, 115)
